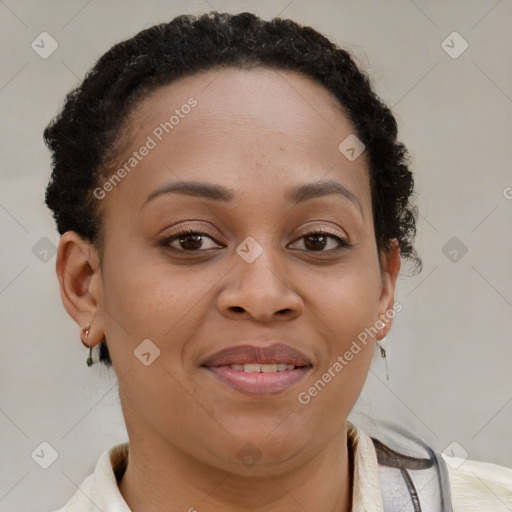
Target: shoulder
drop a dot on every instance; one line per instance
(478, 485)
(100, 491)
(81, 500)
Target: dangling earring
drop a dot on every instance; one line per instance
(89, 361)
(382, 346)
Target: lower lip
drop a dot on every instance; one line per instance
(258, 383)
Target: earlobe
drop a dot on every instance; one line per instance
(390, 265)
(77, 269)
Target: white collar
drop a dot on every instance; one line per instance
(100, 491)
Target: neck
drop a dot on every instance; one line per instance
(176, 482)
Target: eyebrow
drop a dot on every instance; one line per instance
(215, 192)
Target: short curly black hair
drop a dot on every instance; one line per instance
(84, 136)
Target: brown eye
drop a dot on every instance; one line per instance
(191, 242)
(187, 240)
(317, 241)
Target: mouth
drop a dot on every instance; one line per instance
(256, 370)
(263, 368)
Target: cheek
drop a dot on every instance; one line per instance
(334, 389)
(151, 300)
(346, 317)
(166, 402)
(349, 307)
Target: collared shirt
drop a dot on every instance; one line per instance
(474, 486)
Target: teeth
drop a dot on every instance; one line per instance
(264, 368)
(252, 368)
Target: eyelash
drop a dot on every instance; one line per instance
(185, 231)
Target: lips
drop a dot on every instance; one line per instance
(258, 371)
(277, 354)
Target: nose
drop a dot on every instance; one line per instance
(260, 290)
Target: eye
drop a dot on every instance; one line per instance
(187, 240)
(316, 240)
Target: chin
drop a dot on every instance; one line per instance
(258, 452)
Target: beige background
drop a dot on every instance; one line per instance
(450, 349)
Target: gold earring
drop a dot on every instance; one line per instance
(89, 361)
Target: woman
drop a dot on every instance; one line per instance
(234, 206)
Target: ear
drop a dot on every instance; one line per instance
(79, 273)
(390, 267)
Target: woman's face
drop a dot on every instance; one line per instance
(251, 276)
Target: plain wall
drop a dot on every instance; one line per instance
(450, 350)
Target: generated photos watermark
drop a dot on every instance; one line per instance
(304, 397)
(152, 141)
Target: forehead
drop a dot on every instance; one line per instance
(271, 100)
(259, 129)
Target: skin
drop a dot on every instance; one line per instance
(185, 427)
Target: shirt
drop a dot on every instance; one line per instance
(474, 486)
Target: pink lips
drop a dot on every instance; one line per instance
(258, 383)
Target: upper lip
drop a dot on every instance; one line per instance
(278, 353)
